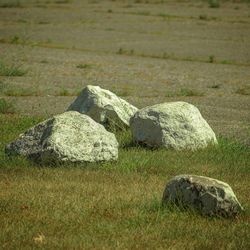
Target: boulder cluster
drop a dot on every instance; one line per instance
(81, 134)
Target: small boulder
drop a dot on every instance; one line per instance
(176, 125)
(209, 196)
(68, 137)
(103, 106)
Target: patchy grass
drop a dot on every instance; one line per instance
(203, 17)
(15, 39)
(6, 107)
(63, 1)
(185, 92)
(128, 6)
(21, 92)
(17, 91)
(116, 205)
(66, 92)
(166, 56)
(214, 3)
(10, 4)
(226, 62)
(22, 21)
(122, 92)
(123, 51)
(7, 91)
(164, 15)
(43, 22)
(44, 61)
(211, 59)
(3, 86)
(11, 70)
(245, 90)
(84, 66)
(143, 13)
(214, 86)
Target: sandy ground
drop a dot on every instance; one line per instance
(145, 52)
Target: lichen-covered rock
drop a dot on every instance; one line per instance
(210, 196)
(68, 137)
(103, 106)
(176, 125)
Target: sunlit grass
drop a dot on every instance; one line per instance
(116, 204)
(6, 107)
(13, 70)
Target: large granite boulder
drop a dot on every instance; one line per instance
(209, 196)
(68, 137)
(176, 125)
(103, 106)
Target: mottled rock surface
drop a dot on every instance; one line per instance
(176, 125)
(68, 137)
(210, 196)
(103, 106)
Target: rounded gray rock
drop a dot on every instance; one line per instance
(210, 196)
(68, 137)
(176, 125)
(103, 106)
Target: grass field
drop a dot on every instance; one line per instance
(148, 52)
(116, 205)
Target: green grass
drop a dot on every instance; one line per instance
(143, 13)
(66, 92)
(3, 86)
(185, 92)
(22, 21)
(203, 17)
(116, 205)
(214, 3)
(84, 66)
(17, 91)
(13, 90)
(21, 92)
(211, 59)
(13, 70)
(15, 39)
(44, 61)
(6, 107)
(43, 22)
(63, 1)
(10, 4)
